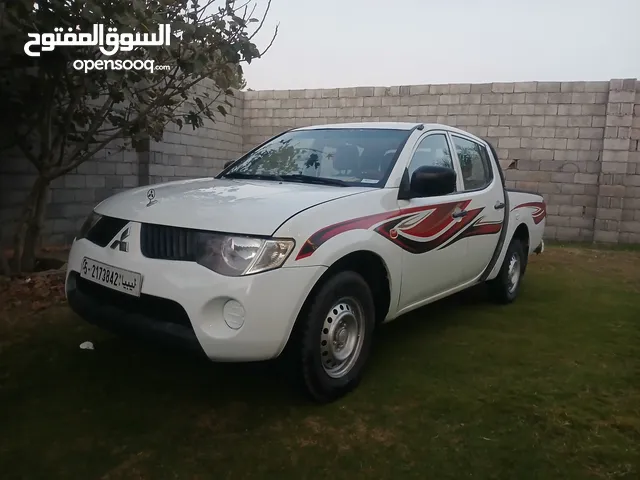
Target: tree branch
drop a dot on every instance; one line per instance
(60, 139)
(63, 169)
(275, 33)
(264, 17)
(97, 121)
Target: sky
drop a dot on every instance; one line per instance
(346, 43)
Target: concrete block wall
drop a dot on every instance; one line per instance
(576, 143)
(188, 153)
(629, 227)
(558, 139)
(618, 203)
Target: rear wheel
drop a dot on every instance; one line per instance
(506, 286)
(335, 335)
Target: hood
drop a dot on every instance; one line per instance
(253, 207)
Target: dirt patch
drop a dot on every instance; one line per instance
(46, 264)
(22, 296)
(27, 302)
(128, 468)
(223, 424)
(359, 432)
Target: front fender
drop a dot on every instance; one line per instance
(353, 241)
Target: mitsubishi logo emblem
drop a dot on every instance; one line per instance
(120, 243)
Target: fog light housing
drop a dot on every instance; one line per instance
(233, 314)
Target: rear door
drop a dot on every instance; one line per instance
(482, 186)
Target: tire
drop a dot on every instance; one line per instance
(339, 321)
(505, 287)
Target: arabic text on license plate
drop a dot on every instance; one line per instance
(113, 277)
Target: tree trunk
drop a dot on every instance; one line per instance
(4, 264)
(29, 225)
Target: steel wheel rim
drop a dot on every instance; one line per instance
(513, 273)
(342, 337)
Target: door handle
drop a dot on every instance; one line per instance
(459, 214)
(499, 205)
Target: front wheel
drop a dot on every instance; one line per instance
(506, 286)
(335, 337)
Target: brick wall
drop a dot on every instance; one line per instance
(572, 142)
(618, 217)
(189, 153)
(630, 225)
(576, 143)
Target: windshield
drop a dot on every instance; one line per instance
(346, 156)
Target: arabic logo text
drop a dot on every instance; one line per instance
(109, 44)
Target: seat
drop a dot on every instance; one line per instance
(346, 159)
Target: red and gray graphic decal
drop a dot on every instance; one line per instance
(429, 229)
(539, 210)
(416, 230)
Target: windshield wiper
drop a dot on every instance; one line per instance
(259, 176)
(289, 178)
(315, 180)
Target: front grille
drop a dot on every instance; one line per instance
(105, 229)
(168, 243)
(157, 308)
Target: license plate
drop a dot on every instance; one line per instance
(115, 278)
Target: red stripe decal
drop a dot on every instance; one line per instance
(416, 230)
(539, 210)
(484, 229)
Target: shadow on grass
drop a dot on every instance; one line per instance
(148, 370)
(128, 372)
(240, 381)
(434, 317)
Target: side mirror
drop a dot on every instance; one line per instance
(432, 181)
(228, 164)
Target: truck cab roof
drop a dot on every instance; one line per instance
(391, 126)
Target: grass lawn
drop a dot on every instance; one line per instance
(546, 388)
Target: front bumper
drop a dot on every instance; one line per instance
(181, 303)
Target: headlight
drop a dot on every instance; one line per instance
(235, 256)
(88, 224)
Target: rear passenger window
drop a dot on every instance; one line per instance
(474, 163)
(433, 150)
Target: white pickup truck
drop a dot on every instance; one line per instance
(305, 245)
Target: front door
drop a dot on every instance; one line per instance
(433, 255)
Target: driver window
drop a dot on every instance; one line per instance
(433, 150)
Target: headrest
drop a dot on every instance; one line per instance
(386, 160)
(346, 157)
(375, 159)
